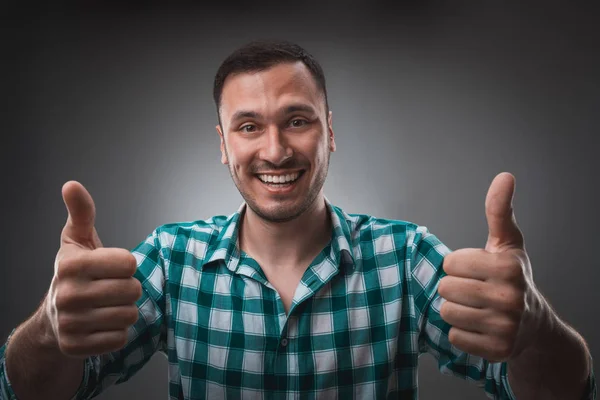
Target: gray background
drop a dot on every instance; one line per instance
(430, 100)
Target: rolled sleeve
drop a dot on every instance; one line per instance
(6, 391)
(145, 337)
(591, 388)
(426, 270)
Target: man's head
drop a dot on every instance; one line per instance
(275, 127)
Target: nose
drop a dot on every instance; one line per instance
(276, 149)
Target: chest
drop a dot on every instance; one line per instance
(244, 333)
(285, 283)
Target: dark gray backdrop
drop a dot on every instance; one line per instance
(430, 100)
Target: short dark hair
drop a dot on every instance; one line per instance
(261, 55)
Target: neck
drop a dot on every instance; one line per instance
(286, 245)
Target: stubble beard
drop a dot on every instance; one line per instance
(282, 213)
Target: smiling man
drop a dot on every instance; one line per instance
(291, 297)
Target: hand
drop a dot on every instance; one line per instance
(490, 295)
(91, 301)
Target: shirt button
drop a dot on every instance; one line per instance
(284, 342)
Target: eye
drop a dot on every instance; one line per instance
(248, 128)
(298, 123)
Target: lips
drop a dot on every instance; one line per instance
(280, 178)
(287, 183)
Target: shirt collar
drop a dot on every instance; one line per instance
(226, 246)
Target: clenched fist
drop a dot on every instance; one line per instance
(91, 301)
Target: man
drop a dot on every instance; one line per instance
(290, 297)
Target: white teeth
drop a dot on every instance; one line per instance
(279, 178)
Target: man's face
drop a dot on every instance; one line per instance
(276, 139)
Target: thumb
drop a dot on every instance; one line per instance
(79, 228)
(504, 233)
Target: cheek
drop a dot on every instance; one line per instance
(240, 156)
(321, 153)
(312, 148)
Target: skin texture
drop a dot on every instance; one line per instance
(91, 301)
(489, 291)
(275, 139)
(88, 309)
(497, 312)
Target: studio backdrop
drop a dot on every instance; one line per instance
(430, 101)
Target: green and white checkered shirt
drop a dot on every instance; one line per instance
(364, 311)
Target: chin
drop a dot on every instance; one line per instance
(279, 207)
(277, 212)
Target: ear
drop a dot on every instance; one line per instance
(224, 159)
(330, 132)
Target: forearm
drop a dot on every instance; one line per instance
(555, 367)
(35, 365)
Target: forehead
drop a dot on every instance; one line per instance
(269, 89)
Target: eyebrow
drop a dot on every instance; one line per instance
(292, 108)
(299, 107)
(245, 114)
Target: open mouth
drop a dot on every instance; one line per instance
(281, 180)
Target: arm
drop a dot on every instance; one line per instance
(33, 345)
(424, 274)
(32, 365)
(100, 322)
(497, 312)
(557, 366)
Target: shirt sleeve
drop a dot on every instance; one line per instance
(6, 391)
(426, 259)
(427, 255)
(145, 337)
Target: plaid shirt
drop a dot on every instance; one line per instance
(364, 311)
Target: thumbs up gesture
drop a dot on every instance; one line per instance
(490, 296)
(91, 301)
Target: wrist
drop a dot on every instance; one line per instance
(538, 326)
(47, 337)
(555, 362)
(37, 330)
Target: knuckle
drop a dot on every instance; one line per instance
(513, 273)
(68, 267)
(447, 263)
(130, 316)
(452, 260)
(66, 323)
(452, 336)
(116, 341)
(121, 339)
(133, 316)
(510, 268)
(442, 286)
(503, 349)
(444, 311)
(135, 288)
(506, 327)
(130, 263)
(510, 300)
(66, 298)
(516, 301)
(68, 345)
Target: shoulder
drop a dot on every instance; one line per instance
(182, 235)
(385, 234)
(369, 227)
